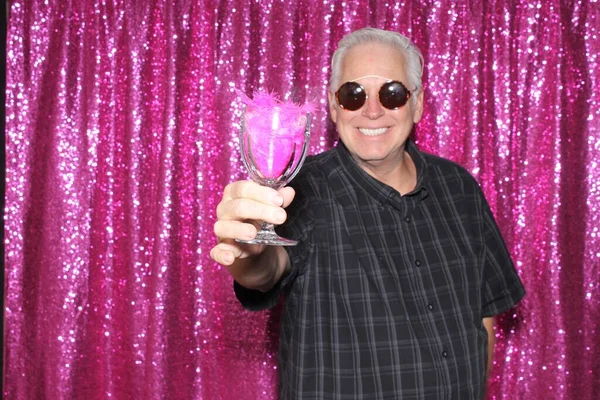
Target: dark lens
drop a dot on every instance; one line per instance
(351, 96)
(393, 95)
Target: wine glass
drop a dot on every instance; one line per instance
(273, 144)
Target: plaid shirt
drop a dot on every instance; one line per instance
(388, 292)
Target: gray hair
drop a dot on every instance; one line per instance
(412, 55)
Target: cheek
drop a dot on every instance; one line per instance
(404, 120)
(345, 118)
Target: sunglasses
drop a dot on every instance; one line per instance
(352, 95)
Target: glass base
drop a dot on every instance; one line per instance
(269, 238)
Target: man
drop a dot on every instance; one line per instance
(400, 266)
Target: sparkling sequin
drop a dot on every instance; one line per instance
(121, 132)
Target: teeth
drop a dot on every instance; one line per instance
(372, 132)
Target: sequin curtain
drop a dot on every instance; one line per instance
(121, 124)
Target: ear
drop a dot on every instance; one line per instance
(418, 107)
(333, 107)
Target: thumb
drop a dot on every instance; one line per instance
(288, 195)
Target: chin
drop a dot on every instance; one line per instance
(371, 156)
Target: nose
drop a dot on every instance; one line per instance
(373, 108)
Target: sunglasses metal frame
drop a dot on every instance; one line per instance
(337, 94)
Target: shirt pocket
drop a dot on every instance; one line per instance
(453, 286)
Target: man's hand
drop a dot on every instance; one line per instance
(244, 206)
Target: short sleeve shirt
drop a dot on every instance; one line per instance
(387, 292)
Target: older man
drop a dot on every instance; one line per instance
(400, 266)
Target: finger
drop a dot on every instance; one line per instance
(245, 209)
(252, 190)
(288, 195)
(227, 229)
(224, 254)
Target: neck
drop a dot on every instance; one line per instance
(401, 175)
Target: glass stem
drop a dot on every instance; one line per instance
(267, 227)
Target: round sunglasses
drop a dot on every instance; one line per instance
(352, 95)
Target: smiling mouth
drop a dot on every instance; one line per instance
(372, 132)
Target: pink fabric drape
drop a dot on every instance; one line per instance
(121, 132)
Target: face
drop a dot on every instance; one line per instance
(374, 135)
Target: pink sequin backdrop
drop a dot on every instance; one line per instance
(121, 133)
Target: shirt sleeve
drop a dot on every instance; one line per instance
(298, 226)
(501, 287)
(255, 300)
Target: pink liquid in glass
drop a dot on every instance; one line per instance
(275, 140)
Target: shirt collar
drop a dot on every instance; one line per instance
(382, 192)
(421, 166)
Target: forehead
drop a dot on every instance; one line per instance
(373, 59)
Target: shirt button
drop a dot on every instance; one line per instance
(430, 307)
(406, 219)
(417, 263)
(444, 354)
